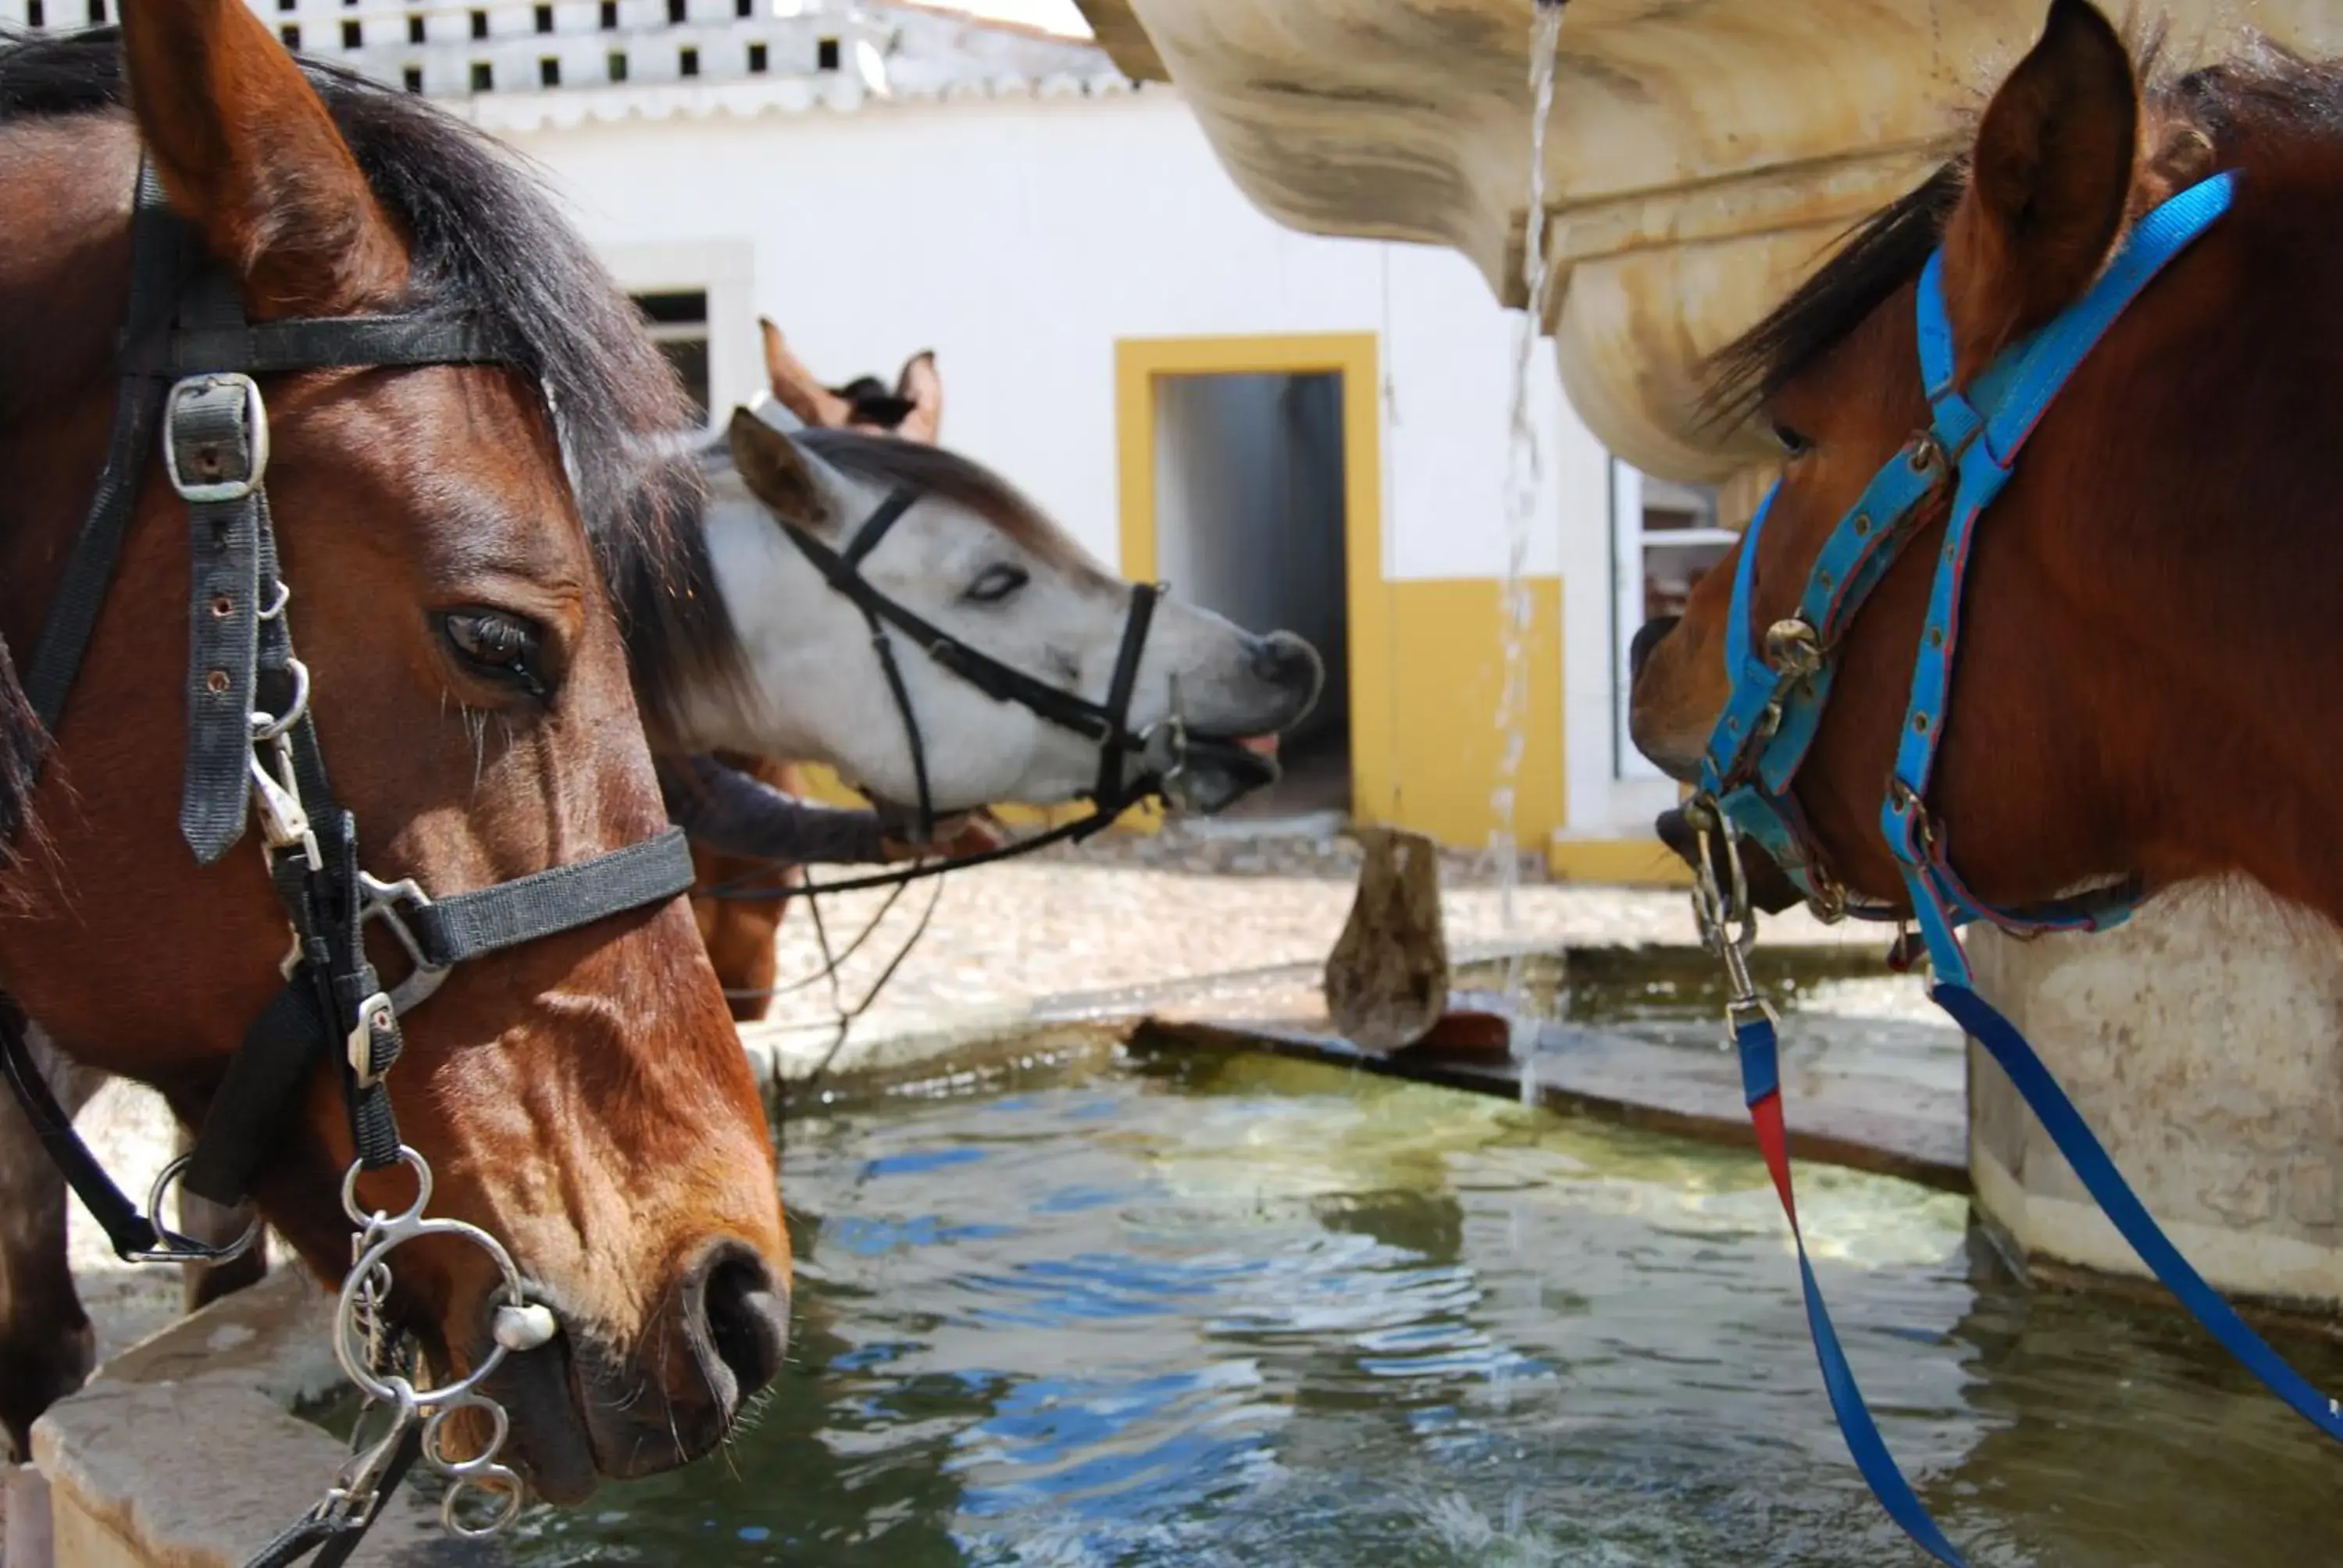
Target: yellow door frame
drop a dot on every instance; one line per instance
(1142, 363)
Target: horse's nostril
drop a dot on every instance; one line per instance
(1283, 659)
(742, 1316)
(1648, 639)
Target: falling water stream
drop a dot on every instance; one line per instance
(1517, 607)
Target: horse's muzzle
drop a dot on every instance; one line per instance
(581, 1412)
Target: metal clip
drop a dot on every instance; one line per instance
(1163, 752)
(1794, 648)
(283, 821)
(381, 900)
(1728, 921)
(374, 1039)
(170, 1247)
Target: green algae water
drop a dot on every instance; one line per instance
(1190, 1311)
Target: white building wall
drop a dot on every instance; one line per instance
(1020, 237)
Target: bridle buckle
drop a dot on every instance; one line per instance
(383, 902)
(374, 1039)
(215, 438)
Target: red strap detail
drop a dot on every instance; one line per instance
(1773, 1143)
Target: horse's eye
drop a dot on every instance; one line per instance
(1793, 441)
(496, 644)
(997, 583)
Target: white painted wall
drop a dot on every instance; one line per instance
(1020, 237)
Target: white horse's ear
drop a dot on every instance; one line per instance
(777, 471)
(773, 412)
(921, 385)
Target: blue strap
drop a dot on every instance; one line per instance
(1867, 542)
(1745, 571)
(1761, 1087)
(2089, 1160)
(2014, 393)
(2026, 376)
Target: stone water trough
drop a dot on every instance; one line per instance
(1700, 155)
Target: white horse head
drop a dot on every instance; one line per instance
(976, 560)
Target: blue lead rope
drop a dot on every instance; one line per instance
(2089, 1160)
(1761, 1085)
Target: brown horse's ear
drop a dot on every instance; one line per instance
(248, 154)
(795, 386)
(2050, 178)
(774, 471)
(921, 385)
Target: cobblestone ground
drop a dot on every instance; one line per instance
(1129, 910)
(1119, 912)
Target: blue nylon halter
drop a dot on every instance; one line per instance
(1779, 691)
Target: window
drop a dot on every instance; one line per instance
(544, 19)
(97, 13)
(352, 36)
(414, 78)
(414, 27)
(479, 24)
(687, 62)
(617, 64)
(290, 34)
(285, 4)
(758, 59)
(33, 16)
(610, 15)
(678, 10)
(825, 55)
(549, 72)
(1665, 537)
(744, 9)
(484, 77)
(679, 325)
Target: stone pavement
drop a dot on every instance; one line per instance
(1127, 911)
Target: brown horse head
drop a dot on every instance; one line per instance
(2142, 686)
(583, 1097)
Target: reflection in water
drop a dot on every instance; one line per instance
(1247, 1312)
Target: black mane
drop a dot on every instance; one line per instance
(2245, 106)
(1882, 254)
(488, 243)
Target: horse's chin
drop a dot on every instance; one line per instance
(1220, 771)
(1770, 887)
(552, 1444)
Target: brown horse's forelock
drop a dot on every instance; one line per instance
(489, 244)
(2265, 87)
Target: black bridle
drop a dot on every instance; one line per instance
(1105, 723)
(186, 367)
